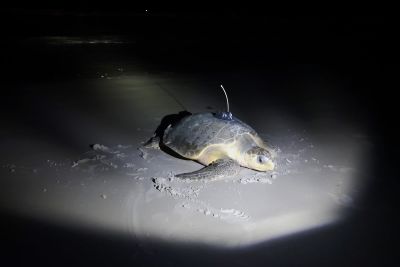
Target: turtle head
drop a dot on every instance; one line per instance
(259, 159)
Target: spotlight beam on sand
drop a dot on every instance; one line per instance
(116, 187)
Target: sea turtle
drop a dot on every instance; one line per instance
(219, 141)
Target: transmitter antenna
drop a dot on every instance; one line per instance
(226, 96)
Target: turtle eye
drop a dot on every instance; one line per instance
(262, 159)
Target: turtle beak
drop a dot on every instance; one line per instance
(270, 165)
(267, 165)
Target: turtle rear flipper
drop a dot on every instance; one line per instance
(218, 169)
(153, 142)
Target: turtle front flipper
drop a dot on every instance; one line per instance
(218, 169)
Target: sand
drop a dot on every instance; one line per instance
(125, 187)
(74, 156)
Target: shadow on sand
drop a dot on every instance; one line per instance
(170, 119)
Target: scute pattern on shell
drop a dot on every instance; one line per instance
(196, 132)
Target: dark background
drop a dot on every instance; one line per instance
(356, 50)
